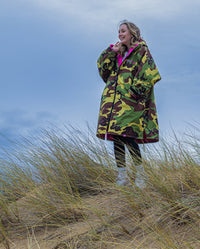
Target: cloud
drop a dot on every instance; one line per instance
(17, 122)
(46, 35)
(94, 18)
(100, 12)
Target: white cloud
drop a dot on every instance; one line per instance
(102, 14)
(150, 8)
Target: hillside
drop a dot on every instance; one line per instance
(108, 222)
(62, 193)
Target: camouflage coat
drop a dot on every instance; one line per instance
(128, 105)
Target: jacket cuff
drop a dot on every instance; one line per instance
(111, 47)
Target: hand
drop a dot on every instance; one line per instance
(117, 46)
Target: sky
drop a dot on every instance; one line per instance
(48, 54)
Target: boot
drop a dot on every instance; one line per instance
(122, 178)
(139, 179)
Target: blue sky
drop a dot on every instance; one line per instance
(48, 53)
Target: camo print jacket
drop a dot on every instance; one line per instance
(128, 105)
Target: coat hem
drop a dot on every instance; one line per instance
(109, 137)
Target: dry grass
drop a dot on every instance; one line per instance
(60, 192)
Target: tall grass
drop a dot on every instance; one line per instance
(171, 193)
(48, 176)
(45, 180)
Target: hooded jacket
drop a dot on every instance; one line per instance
(128, 105)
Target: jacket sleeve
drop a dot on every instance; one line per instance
(106, 63)
(146, 76)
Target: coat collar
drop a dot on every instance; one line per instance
(139, 44)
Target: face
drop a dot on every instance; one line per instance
(124, 35)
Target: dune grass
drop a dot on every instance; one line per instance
(45, 180)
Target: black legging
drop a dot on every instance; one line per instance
(119, 150)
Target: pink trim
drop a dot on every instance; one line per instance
(111, 46)
(139, 141)
(145, 141)
(119, 58)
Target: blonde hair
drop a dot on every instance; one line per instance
(135, 32)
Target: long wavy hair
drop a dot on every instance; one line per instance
(136, 36)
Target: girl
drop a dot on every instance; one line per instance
(127, 111)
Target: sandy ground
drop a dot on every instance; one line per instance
(106, 224)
